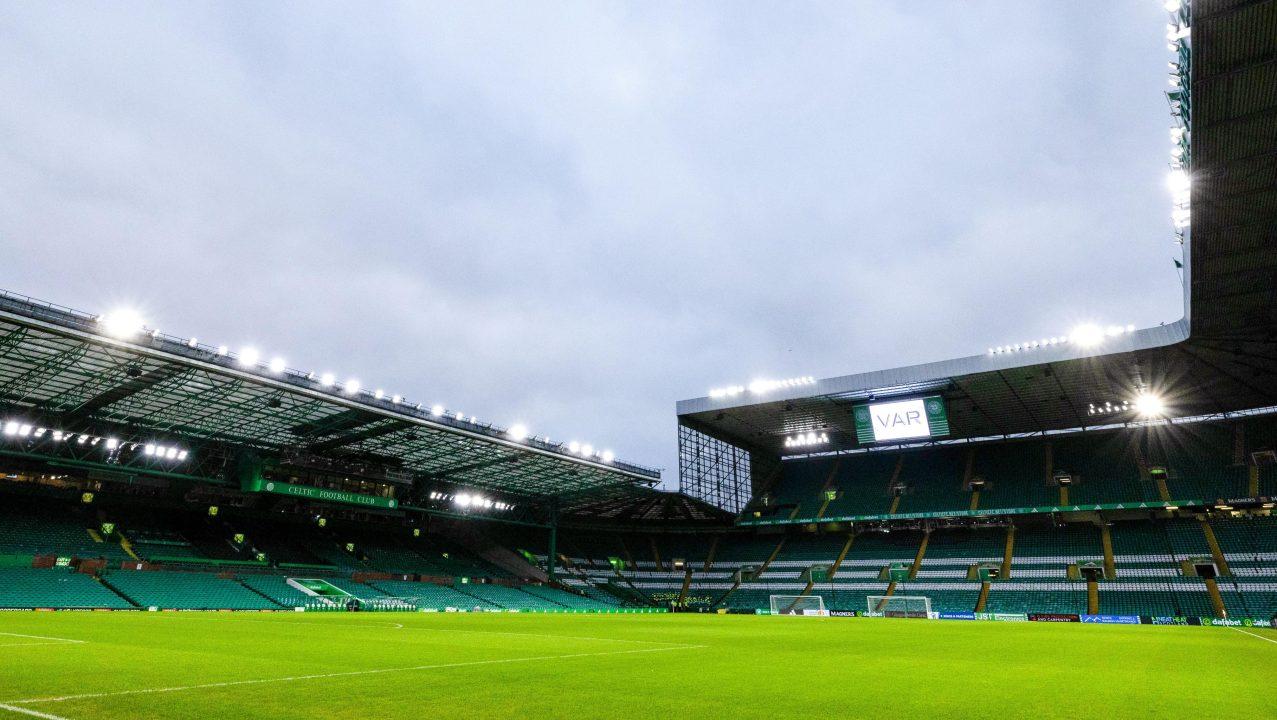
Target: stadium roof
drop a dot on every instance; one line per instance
(1221, 357)
(61, 369)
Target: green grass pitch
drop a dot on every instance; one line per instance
(387, 665)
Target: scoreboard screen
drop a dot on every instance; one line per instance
(911, 419)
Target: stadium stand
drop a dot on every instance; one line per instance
(55, 588)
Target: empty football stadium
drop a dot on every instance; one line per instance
(1075, 525)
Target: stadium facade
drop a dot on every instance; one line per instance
(1104, 473)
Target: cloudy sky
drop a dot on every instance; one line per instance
(573, 215)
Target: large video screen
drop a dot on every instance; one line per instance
(910, 419)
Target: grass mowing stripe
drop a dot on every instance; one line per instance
(350, 673)
(30, 712)
(1261, 637)
(370, 624)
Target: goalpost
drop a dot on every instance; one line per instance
(902, 606)
(809, 605)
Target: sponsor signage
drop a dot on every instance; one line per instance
(262, 485)
(1161, 620)
(957, 616)
(1054, 617)
(1003, 617)
(1236, 622)
(1112, 619)
(901, 419)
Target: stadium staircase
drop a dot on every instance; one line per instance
(842, 555)
(1008, 553)
(709, 555)
(1110, 565)
(1221, 562)
(983, 601)
(922, 553)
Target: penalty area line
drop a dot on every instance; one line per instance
(30, 712)
(43, 637)
(1261, 637)
(321, 676)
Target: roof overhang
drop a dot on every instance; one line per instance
(1221, 357)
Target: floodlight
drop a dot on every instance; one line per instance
(112, 443)
(327, 380)
(587, 449)
(148, 450)
(437, 411)
(1088, 335)
(248, 357)
(24, 430)
(192, 343)
(277, 365)
(608, 456)
(518, 431)
(222, 350)
(574, 447)
(1149, 405)
(11, 428)
(379, 394)
(122, 323)
(463, 500)
(351, 387)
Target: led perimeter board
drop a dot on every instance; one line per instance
(923, 417)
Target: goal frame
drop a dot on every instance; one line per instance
(790, 605)
(915, 606)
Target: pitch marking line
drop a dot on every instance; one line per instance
(321, 676)
(1261, 637)
(45, 640)
(41, 637)
(32, 713)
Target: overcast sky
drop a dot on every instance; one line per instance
(573, 215)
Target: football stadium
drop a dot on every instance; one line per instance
(1076, 525)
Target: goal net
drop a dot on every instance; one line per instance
(904, 606)
(811, 605)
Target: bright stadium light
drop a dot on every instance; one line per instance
(193, 343)
(437, 411)
(222, 350)
(249, 356)
(574, 447)
(122, 323)
(1149, 405)
(277, 365)
(112, 443)
(351, 387)
(11, 428)
(379, 394)
(327, 380)
(587, 450)
(518, 432)
(608, 456)
(1087, 335)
